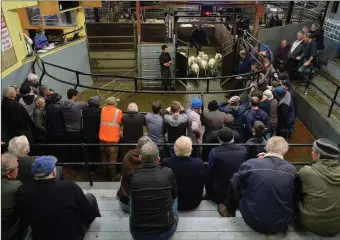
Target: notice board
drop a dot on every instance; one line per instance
(8, 57)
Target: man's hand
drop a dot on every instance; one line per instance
(261, 155)
(166, 64)
(298, 58)
(197, 134)
(238, 77)
(306, 63)
(169, 62)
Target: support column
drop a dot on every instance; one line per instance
(138, 21)
(324, 14)
(289, 11)
(96, 14)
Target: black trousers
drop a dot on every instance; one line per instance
(165, 73)
(231, 201)
(198, 47)
(290, 65)
(74, 153)
(93, 201)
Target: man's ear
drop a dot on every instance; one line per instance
(55, 172)
(158, 159)
(140, 157)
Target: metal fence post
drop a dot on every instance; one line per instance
(77, 75)
(136, 87)
(334, 99)
(208, 83)
(87, 166)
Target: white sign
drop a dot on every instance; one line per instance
(6, 42)
(332, 29)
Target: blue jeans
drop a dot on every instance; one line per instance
(161, 236)
(304, 71)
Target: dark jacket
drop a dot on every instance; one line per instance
(164, 58)
(58, 207)
(197, 36)
(309, 50)
(15, 119)
(285, 113)
(91, 122)
(237, 112)
(297, 51)
(265, 106)
(245, 65)
(130, 162)
(273, 114)
(34, 87)
(176, 126)
(253, 151)
(190, 183)
(281, 53)
(224, 161)
(39, 116)
(25, 173)
(9, 214)
(318, 37)
(250, 117)
(212, 121)
(267, 190)
(72, 111)
(55, 120)
(152, 190)
(133, 123)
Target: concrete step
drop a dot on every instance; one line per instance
(126, 54)
(107, 63)
(113, 71)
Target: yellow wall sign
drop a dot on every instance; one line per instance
(8, 57)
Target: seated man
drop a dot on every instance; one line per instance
(264, 188)
(190, 183)
(10, 228)
(40, 39)
(57, 209)
(130, 162)
(320, 204)
(19, 147)
(281, 54)
(153, 192)
(224, 161)
(258, 133)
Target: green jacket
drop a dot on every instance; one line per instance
(320, 205)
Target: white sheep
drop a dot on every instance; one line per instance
(195, 69)
(191, 60)
(212, 66)
(198, 61)
(204, 66)
(200, 54)
(218, 58)
(205, 57)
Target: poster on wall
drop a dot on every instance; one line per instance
(8, 57)
(332, 29)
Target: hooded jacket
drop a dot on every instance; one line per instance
(320, 204)
(28, 101)
(176, 126)
(250, 117)
(73, 115)
(286, 112)
(91, 119)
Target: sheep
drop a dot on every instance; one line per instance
(212, 66)
(205, 57)
(195, 69)
(218, 58)
(191, 60)
(198, 61)
(200, 54)
(204, 65)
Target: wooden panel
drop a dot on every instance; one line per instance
(113, 55)
(110, 29)
(112, 63)
(110, 47)
(90, 4)
(153, 32)
(48, 8)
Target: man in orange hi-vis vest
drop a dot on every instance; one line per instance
(109, 132)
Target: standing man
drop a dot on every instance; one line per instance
(281, 54)
(39, 116)
(109, 132)
(165, 62)
(294, 55)
(197, 38)
(153, 195)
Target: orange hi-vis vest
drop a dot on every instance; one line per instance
(110, 120)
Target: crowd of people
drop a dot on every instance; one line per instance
(158, 180)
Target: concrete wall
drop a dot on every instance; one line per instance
(74, 57)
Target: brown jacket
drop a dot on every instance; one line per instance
(130, 162)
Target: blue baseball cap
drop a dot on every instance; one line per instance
(43, 166)
(280, 90)
(196, 103)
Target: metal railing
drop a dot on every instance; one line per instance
(333, 98)
(87, 164)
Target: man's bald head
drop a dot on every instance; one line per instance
(283, 43)
(254, 101)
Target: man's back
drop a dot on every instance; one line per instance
(190, 183)
(55, 119)
(212, 121)
(152, 190)
(72, 115)
(57, 209)
(267, 188)
(176, 126)
(133, 123)
(155, 126)
(91, 122)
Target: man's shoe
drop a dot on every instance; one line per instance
(223, 210)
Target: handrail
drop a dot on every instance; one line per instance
(183, 42)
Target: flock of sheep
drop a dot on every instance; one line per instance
(202, 65)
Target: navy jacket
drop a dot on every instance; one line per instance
(190, 183)
(266, 188)
(237, 113)
(286, 113)
(250, 117)
(55, 120)
(224, 161)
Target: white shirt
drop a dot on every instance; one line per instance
(295, 44)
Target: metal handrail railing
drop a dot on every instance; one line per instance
(88, 163)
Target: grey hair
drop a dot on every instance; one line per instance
(37, 100)
(149, 152)
(32, 77)
(8, 163)
(183, 147)
(316, 25)
(277, 145)
(9, 91)
(301, 32)
(19, 146)
(142, 141)
(132, 107)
